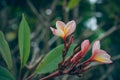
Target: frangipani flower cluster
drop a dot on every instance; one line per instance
(71, 65)
(98, 55)
(64, 30)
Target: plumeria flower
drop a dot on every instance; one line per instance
(84, 48)
(63, 30)
(99, 55)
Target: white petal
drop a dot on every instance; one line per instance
(60, 25)
(96, 45)
(70, 27)
(57, 32)
(102, 56)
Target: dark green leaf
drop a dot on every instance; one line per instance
(5, 74)
(51, 60)
(24, 41)
(72, 4)
(5, 51)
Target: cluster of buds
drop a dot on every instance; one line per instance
(73, 65)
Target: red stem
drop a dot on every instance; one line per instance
(65, 48)
(65, 43)
(50, 76)
(87, 62)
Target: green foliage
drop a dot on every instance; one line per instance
(51, 60)
(24, 41)
(5, 51)
(72, 4)
(5, 74)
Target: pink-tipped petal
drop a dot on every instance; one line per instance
(57, 32)
(85, 46)
(96, 45)
(60, 25)
(53, 30)
(101, 56)
(70, 27)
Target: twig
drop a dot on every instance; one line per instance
(110, 69)
(65, 77)
(110, 31)
(29, 77)
(52, 40)
(116, 58)
(36, 32)
(106, 34)
(50, 76)
(35, 51)
(36, 13)
(53, 6)
(30, 67)
(65, 12)
(75, 12)
(36, 62)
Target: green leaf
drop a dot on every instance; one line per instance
(72, 4)
(5, 74)
(51, 60)
(5, 51)
(24, 41)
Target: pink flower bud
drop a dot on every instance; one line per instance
(84, 48)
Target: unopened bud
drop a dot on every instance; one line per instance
(70, 40)
(76, 57)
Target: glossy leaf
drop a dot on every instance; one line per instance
(24, 41)
(5, 51)
(5, 74)
(51, 60)
(72, 4)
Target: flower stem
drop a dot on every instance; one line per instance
(65, 43)
(86, 62)
(64, 50)
(50, 76)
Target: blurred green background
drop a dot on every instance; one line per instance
(96, 20)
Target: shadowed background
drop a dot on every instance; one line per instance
(96, 20)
